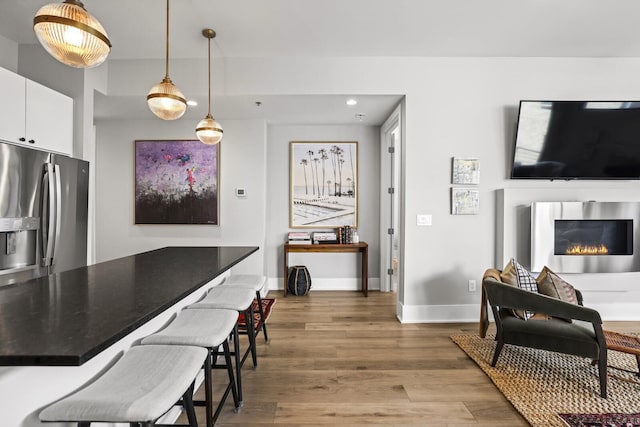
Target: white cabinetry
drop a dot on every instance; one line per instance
(34, 115)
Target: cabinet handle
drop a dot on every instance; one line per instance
(31, 141)
(22, 139)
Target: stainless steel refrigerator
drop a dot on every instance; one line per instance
(43, 213)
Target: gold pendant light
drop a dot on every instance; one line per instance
(209, 131)
(164, 99)
(71, 34)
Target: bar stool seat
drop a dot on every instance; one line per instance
(208, 329)
(139, 388)
(255, 282)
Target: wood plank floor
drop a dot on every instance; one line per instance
(337, 358)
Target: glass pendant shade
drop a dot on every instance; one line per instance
(209, 131)
(71, 34)
(166, 101)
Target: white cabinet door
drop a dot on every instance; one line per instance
(12, 107)
(49, 119)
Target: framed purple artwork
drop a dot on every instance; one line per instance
(176, 182)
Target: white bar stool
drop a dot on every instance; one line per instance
(239, 300)
(138, 389)
(255, 282)
(208, 329)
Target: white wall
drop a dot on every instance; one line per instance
(242, 164)
(454, 107)
(328, 271)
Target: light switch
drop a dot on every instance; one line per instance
(423, 219)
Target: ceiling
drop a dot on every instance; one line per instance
(259, 28)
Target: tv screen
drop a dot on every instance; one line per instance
(577, 140)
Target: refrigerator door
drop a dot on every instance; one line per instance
(70, 248)
(20, 195)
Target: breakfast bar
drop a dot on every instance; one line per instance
(58, 331)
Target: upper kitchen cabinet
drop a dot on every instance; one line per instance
(35, 115)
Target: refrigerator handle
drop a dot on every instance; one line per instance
(58, 211)
(47, 218)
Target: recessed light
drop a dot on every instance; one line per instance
(352, 102)
(192, 103)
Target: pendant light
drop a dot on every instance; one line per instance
(164, 99)
(71, 34)
(209, 131)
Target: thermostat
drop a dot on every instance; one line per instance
(240, 192)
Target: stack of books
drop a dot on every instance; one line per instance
(345, 234)
(299, 238)
(325, 237)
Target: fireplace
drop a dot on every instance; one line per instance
(593, 237)
(584, 237)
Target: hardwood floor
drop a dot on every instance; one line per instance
(337, 358)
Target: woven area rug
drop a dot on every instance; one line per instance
(602, 420)
(267, 304)
(543, 384)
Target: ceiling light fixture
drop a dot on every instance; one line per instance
(71, 34)
(352, 102)
(209, 131)
(164, 99)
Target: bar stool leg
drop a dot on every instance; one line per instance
(187, 399)
(252, 337)
(263, 324)
(236, 353)
(232, 380)
(208, 398)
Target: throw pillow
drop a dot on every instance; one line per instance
(525, 279)
(516, 275)
(508, 274)
(552, 285)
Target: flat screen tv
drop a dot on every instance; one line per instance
(577, 140)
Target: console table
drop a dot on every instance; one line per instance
(360, 247)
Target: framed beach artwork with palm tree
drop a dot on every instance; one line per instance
(176, 182)
(323, 181)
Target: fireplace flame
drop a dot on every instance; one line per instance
(578, 249)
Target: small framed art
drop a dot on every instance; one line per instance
(465, 201)
(465, 171)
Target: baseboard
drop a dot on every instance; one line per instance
(329, 284)
(438, 313)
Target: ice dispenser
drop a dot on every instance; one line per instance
(18, 239)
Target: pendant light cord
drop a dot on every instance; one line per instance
(209, 40)
(166, 61)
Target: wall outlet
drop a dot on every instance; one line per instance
(472, 285)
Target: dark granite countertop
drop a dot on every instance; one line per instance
(67, 318)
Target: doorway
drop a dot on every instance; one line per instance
(390, 206)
